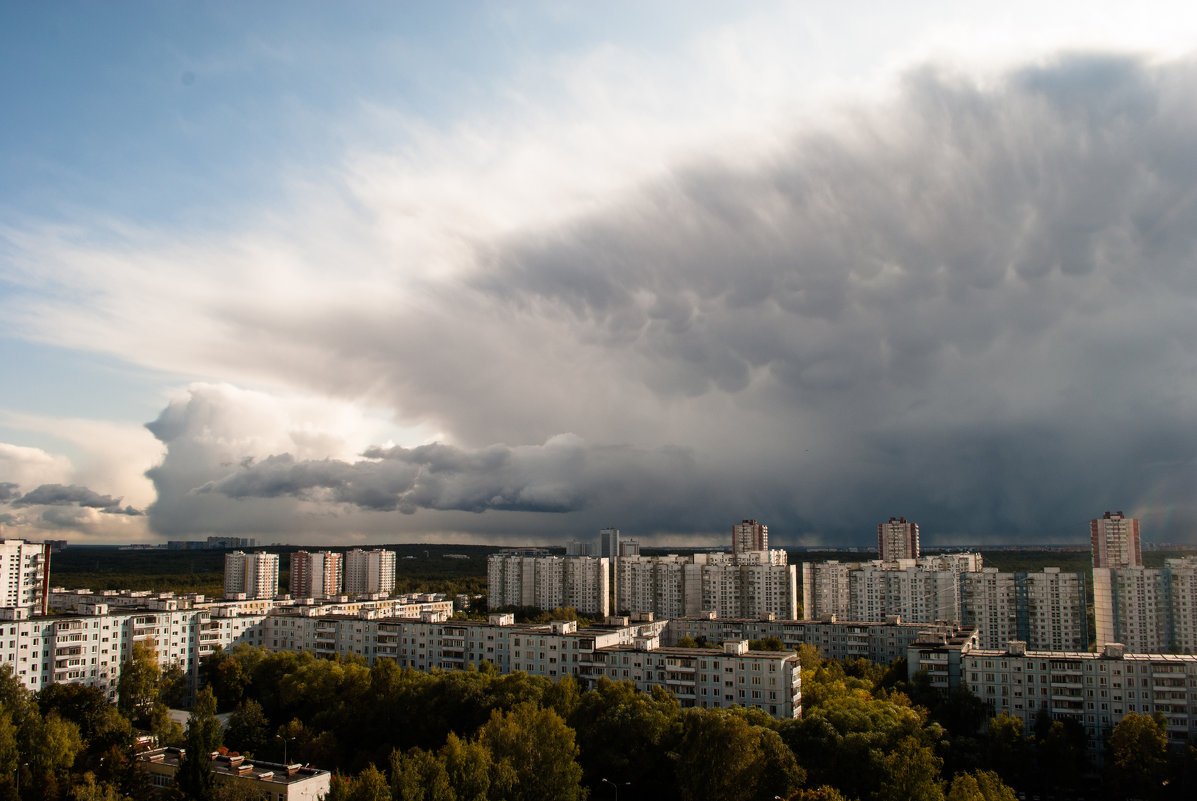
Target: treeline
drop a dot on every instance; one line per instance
(450, 569)
(866, 733)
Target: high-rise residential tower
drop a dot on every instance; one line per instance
(369, 572)
(897, 539)
(609, 543)
(254, 574)
(315, 575)
(1115, 541)
(749, 535)
(24, 574)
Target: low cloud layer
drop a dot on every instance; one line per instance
(61, 508)
(971, 305)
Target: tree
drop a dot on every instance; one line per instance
(1009, 749)
(164, 727)
(370, 785)
(912, 773)
(1138, 755)
(137, 689)
(174, 685)
(249, 730)
(983, 785)
(722, 755)
(468, 766)
(823, 793)
(616, 725)
(88, 789)
(535, 754)
(195, 777)
(419, 776)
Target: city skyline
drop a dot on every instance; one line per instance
(515, 274)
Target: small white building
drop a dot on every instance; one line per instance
(272, 781)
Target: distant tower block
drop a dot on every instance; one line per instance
(749, 535)
(897, 539)
(1115, 541)
(609, 543)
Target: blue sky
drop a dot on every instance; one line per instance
(659, 265)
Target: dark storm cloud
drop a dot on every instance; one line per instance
(546, 478)
(8, 491)
(972, 307)
(64, 495)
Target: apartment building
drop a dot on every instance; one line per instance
(881, 642)
(369, 572)
(924, 590)
(1115, 541)
(749, 535)
(622, 650)
(253, 575)
(90, 645)
(827, 589)
(1045, 609)
(916, 593)
(1149, 610)
(1095, 689)
(897, 539)
(24, 575)
(768, 680)
(315, 575)
(548, 582)
(745, 584)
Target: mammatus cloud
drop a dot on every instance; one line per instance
(971, 305)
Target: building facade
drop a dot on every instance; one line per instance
(315, 575)
(1095, 689)
(369, 572)
(878, 642)
(549, 582)
(926, 590)
(254, 575)
(745, 584)
(1046, 609)
(897, 539)
(24, 575)
(1149, 610)
(1115, 541)
(749, 535)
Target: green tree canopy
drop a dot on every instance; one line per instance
(534, 753)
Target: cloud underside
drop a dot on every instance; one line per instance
(972, 306)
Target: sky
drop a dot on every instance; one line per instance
(511, 273)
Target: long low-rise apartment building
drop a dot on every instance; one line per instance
(880, 642)
(618, 651)
(1095, 689)
(91, 645)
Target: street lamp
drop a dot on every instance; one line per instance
(285, 741)
(614, 786)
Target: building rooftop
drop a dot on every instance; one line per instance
(233, 764)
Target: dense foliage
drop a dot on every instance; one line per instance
(393, 734)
